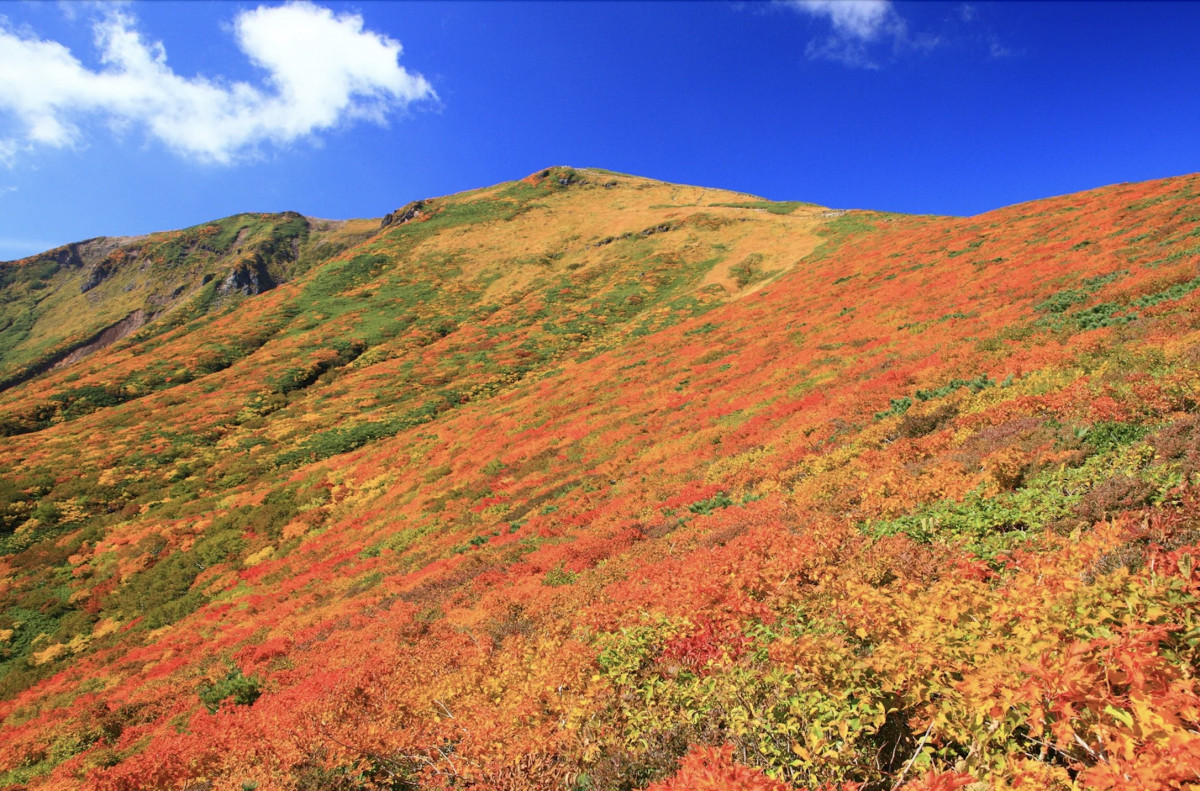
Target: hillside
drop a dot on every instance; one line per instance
(587, 481)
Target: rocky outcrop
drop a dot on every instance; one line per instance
(90, 252)
(404, 214)
(247, 278)
(661, 228)
(67, 255)
(95, 256)
(95, 276)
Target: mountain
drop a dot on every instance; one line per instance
(588, 481)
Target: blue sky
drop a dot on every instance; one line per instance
(124, 119)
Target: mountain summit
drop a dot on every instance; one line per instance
(589, 481)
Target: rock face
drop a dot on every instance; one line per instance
(94, 277)
(67, 255)
(247, 278)
(93, 255)
(404, 214)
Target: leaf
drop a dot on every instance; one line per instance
(1120, 715)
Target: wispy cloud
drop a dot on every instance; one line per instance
(864, 20)
(855, 27)
(868, 33)
(977, 32)
(322, 70)
(998, 50)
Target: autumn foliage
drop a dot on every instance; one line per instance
(593, 482)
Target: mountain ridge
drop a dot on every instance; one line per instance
(562, 485)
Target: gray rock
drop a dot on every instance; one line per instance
(94, 277)
(248, 279)
(404, 214)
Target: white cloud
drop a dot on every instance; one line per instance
(322, 69)
(855, 26)
(864, 20)
(864, 33)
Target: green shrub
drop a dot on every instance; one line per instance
(558, 576)
(706, 507)
(1063, 300)
(242, 689)
(1107, 436)
(899, 407)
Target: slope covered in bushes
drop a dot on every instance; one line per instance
(588, 481)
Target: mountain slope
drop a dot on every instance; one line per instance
(65, 303)
(541, 485)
